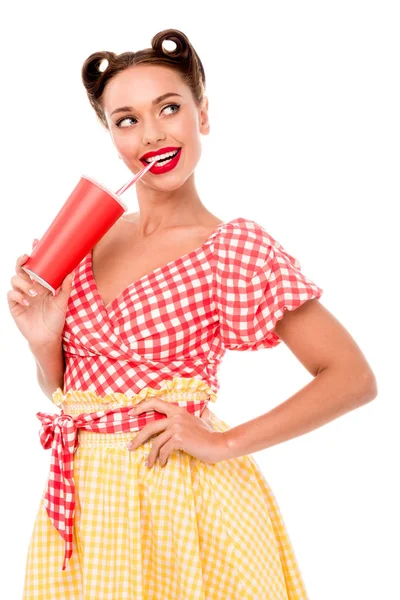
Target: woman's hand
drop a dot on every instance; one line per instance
(41, 321)
(180, 431)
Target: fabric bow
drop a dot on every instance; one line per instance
(60, 433)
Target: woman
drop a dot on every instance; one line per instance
(133, 342)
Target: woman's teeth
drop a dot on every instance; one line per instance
(164, 158)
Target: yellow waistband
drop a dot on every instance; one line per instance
(171, 390)
(90, 439)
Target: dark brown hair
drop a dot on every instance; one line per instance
(182, 59)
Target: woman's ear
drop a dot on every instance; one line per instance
(204, 121)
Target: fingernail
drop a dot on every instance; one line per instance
(32, 292)
(25, 301)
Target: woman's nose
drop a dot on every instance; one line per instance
(152, 134)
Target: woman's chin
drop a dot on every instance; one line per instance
(169, 182)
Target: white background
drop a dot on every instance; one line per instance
(313, 87)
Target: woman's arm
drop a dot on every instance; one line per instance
(343, 381)
(50, 366)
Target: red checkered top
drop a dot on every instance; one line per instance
(179, 320)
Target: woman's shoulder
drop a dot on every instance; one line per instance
(243, 232)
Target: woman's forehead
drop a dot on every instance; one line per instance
(141, 85)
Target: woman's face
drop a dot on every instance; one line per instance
(137, 126)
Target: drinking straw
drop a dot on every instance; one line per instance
(137, 177)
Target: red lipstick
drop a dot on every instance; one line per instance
(171, 164)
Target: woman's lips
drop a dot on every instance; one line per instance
(156, 170)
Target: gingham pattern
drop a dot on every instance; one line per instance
(179, 320)
(60, 433)
(186, 531)
(255, 280)
(189, 530)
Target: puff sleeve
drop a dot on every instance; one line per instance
(254, 281)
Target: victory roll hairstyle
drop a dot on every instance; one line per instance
(100, 67)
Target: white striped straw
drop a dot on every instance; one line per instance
(136, 178)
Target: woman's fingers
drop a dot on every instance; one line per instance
(14, 297)
(19, 284)
(22, 259)
(18, 267)
(156, 447)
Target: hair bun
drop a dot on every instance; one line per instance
(96, 64)
(183, 51)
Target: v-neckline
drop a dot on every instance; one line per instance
(133, 284)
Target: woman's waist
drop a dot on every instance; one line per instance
(179, 390)
(76, 405)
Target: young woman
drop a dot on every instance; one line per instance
(143, 323)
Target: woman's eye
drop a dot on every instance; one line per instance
(177, 106)
(119, 123)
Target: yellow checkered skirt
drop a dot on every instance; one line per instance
(186, 531)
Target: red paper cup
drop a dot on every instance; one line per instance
(89, 212)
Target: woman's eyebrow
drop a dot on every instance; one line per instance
(154, 102)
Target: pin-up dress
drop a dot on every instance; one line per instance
(188, 530)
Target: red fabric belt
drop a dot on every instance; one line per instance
(60, 433)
